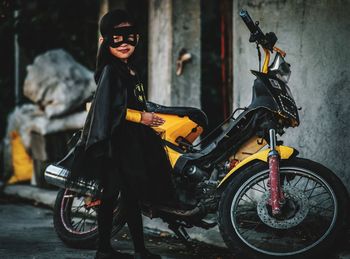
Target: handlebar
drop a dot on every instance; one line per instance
(253, 27)
(267, 41)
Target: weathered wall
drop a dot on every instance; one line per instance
(160, 51)
(187, 35)
(174, 25)
(315, 34)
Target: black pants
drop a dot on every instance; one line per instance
(105, 212)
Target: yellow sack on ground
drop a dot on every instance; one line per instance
(21, 161)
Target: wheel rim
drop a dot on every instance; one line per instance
(78, 216)
(281, 237)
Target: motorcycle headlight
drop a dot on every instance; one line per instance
(280, 68)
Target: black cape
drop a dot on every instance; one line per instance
(139, 161)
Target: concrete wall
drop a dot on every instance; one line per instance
(187, 35)
(315, 34)
(160, 51)
(174, 25)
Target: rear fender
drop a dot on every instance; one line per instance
(285, 153)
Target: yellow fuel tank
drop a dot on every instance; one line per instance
(176, 128)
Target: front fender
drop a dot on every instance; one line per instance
(285, 153)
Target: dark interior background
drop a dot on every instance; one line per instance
(216, 58)
(42, 25)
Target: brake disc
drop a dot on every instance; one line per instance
(294, 211)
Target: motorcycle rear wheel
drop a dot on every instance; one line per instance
(75, 219)
(313, 215)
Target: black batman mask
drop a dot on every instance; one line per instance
(120, 35)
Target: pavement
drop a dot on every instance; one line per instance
(46, 197)
(37, 195)
(27, 232)
(212, 237)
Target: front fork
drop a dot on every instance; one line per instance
(276, 193)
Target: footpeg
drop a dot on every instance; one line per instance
(206, 225)
(181, 233)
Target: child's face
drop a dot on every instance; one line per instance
(125, 50)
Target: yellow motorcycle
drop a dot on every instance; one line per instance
(269, 202)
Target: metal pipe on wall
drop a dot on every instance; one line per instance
(17, 64)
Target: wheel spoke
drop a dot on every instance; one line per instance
(82, 225)
(313, 189)
(246, 210)
(77, 223)
(307, 182)
(322, 208)
(297, 181)
(250, 198)
(319, 194)
(257, 190)
(252, 230)
(329, 198)
(262, 186)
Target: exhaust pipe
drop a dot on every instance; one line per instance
(57, 176)
(182, 213)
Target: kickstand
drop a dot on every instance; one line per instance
(181, 233)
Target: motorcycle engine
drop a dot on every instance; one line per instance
(200, 188)
(207, 196)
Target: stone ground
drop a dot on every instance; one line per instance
(27, 232)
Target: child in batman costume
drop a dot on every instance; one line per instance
(120, 148)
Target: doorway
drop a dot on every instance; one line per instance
(216, 64)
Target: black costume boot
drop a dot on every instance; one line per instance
(146, 255)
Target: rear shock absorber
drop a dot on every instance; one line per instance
(276, 193)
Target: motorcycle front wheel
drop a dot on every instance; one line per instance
(313, 214)
(75, 219)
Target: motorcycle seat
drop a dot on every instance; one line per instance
(195, 114)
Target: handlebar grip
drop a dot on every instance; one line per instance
(253, 28)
